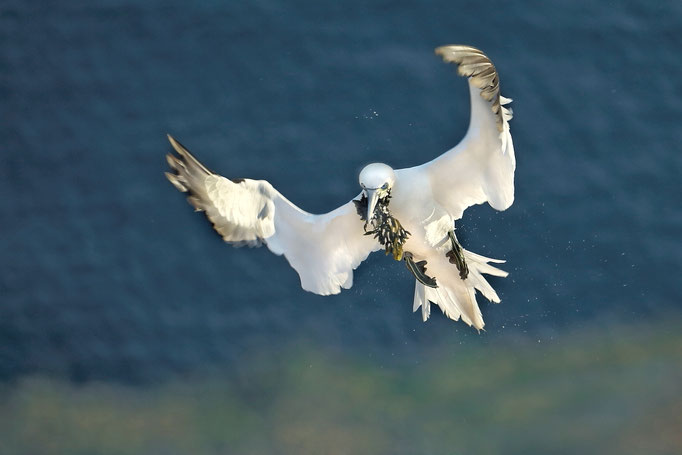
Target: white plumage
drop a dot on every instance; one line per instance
(425, 200)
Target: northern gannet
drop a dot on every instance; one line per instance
(410, 213)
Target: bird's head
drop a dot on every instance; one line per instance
(376, 180)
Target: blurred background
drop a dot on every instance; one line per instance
(128, 327)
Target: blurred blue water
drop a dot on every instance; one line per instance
(105, 272)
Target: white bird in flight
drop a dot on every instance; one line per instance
(410, 213)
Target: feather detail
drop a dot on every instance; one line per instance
(323, 249)
(475, 65)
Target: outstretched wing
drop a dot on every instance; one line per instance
(481, 167)
(323, 249)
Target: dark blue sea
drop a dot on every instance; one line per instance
(106, 274)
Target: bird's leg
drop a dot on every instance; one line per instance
(418, 269)
(456, 256)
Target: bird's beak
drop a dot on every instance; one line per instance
(372, 199)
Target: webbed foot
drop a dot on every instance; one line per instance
(418, 269)
(456, 256)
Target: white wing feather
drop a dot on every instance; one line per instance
(481, 167)
(323, 249)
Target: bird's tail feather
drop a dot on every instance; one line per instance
(457, 297)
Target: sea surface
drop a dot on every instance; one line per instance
(106, 274)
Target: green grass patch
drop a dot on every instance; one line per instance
(615, 391)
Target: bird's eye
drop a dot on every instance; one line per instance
(385, 186)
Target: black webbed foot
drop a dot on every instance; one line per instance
(418, 269)
(456, 256)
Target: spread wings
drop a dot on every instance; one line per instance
(481, 167)
(323, 249)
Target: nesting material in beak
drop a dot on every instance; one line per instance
(372, 199)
